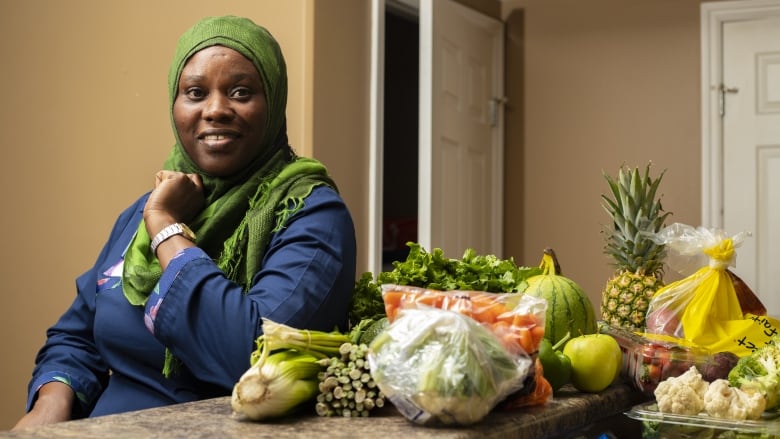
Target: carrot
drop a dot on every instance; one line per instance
(506, 317)
(524, 320)
(522, 336)
(541, 394)
(500, 328)
(392, 298)
(461, 305)
(537, 333)
(391, 311)
(434, 299)
(487, 308)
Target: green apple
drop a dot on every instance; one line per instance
(596, 360)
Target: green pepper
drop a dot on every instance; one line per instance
(555, 364)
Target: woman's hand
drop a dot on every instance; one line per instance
(177, 197)
(54, 404)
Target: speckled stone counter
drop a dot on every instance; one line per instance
(571, 411)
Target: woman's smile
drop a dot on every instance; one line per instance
(218, 141)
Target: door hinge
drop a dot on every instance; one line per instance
(722, 90)
(493, 106)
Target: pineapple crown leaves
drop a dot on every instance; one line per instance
(636, 216)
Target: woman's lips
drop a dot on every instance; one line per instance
(217, 141)
(215, 136)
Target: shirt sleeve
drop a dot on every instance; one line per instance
(210, 324)
(70, 354)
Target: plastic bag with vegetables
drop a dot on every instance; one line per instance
(704, 308)
(442, 367)
(518, 319)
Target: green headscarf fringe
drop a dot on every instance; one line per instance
(276, 200)
(172, 365)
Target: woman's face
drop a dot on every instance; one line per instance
(220, 111)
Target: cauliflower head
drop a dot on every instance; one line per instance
(682, 395)
(721, 400)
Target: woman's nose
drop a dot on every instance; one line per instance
(217, 107)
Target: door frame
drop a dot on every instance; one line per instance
(376, 136)
(713, 16)
(377, 127)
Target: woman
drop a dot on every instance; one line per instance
(236, 228)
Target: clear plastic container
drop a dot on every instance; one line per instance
(647, 362)
(656, 424)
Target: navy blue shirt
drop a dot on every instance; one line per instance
(112, 353)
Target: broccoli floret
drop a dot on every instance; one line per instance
(759, 371)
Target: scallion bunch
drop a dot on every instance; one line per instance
(346, 387)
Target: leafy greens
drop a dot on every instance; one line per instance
(434, 270)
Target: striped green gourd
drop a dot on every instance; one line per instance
(569, 310)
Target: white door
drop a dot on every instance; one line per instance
(751, 151)
(461, 129)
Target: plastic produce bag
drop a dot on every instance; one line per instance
(441, 367)
(517, 319)
(704, 308)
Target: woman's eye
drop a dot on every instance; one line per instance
(194, 93)
(241, 92)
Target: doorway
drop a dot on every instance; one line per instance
(459, 151)
(400, 137)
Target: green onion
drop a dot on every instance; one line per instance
(276, 386)
(279, 336)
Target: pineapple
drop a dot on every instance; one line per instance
(638, 261)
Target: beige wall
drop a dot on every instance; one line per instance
(85, 126)
(592, 85)
(340, 107)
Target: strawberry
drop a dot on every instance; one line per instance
(649, 377)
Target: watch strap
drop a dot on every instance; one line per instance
(170, 231)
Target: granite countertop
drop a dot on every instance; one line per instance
(569, 411)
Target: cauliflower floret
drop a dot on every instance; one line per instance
(723, 401)
(682, 395)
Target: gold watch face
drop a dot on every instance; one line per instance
(187, 232)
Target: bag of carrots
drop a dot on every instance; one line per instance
(516, 319)
(439, 366)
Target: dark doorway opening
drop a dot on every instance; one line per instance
(401, 163)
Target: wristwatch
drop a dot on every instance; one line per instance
(168, 231)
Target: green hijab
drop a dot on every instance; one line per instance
(242, 211)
